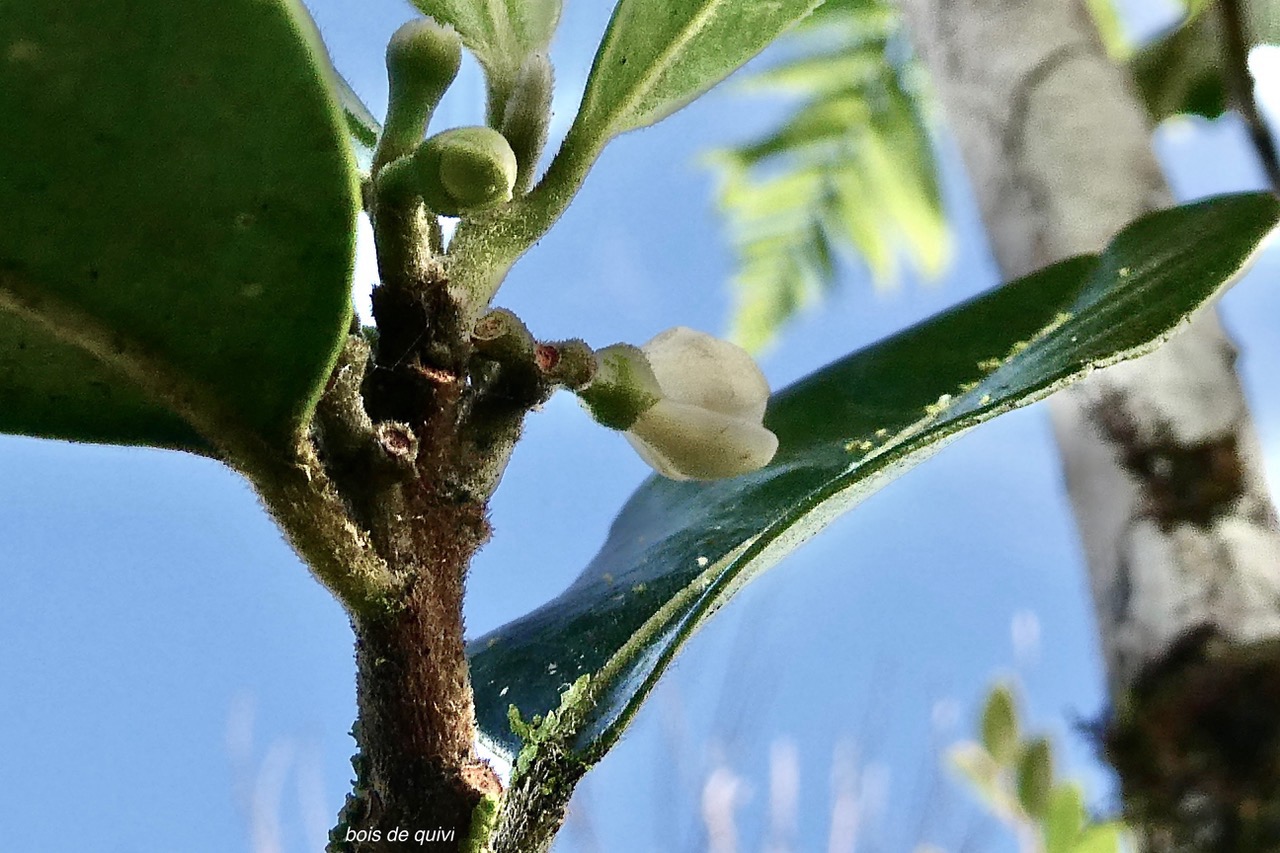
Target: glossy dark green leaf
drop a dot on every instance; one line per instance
(678, 551)
(658, 55)
(178, 200)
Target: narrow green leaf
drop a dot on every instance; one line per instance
(1106, 17)
(177, 220)
(1065, 819)
(658, 55)
(1000, 724)
(846, 67)
(678, 551)
(1035, 777)
(1102, 838)
(872, 16)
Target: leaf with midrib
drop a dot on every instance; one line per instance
(177, 219)
(658, 55)
(678, 551)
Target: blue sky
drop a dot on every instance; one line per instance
(169, 660)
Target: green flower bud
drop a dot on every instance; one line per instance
(464, 170)
(422, 60)
(527, 116)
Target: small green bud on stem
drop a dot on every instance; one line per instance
(465, 170)
(422, 60)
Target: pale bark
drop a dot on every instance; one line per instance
(1162, 464)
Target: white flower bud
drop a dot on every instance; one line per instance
(707, 422)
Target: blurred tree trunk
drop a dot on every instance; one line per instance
(1162, 465)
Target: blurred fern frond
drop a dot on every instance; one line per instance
(851, 169)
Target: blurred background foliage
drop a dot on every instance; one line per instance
(852, 172)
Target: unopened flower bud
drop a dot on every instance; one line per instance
(527, 116)
(422, 60)
(691, 404)
(464, 170)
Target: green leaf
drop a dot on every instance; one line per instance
(1065, 818)
(177, 221)
(1035, 777)
(658, 55)
(362, 126)
(501, 33)
(1000, 724)
(678, 551)
(1102, 838)
(1182, 72)
(822, 71)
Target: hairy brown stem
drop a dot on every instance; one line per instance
(417, 722)
(418, 779)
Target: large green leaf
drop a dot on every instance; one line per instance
(678, 551)
(658, 55)
(177, 220)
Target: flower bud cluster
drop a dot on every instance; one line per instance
(692, 405)
(463, 170)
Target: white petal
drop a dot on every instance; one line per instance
(685, 442)
(702, 370)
